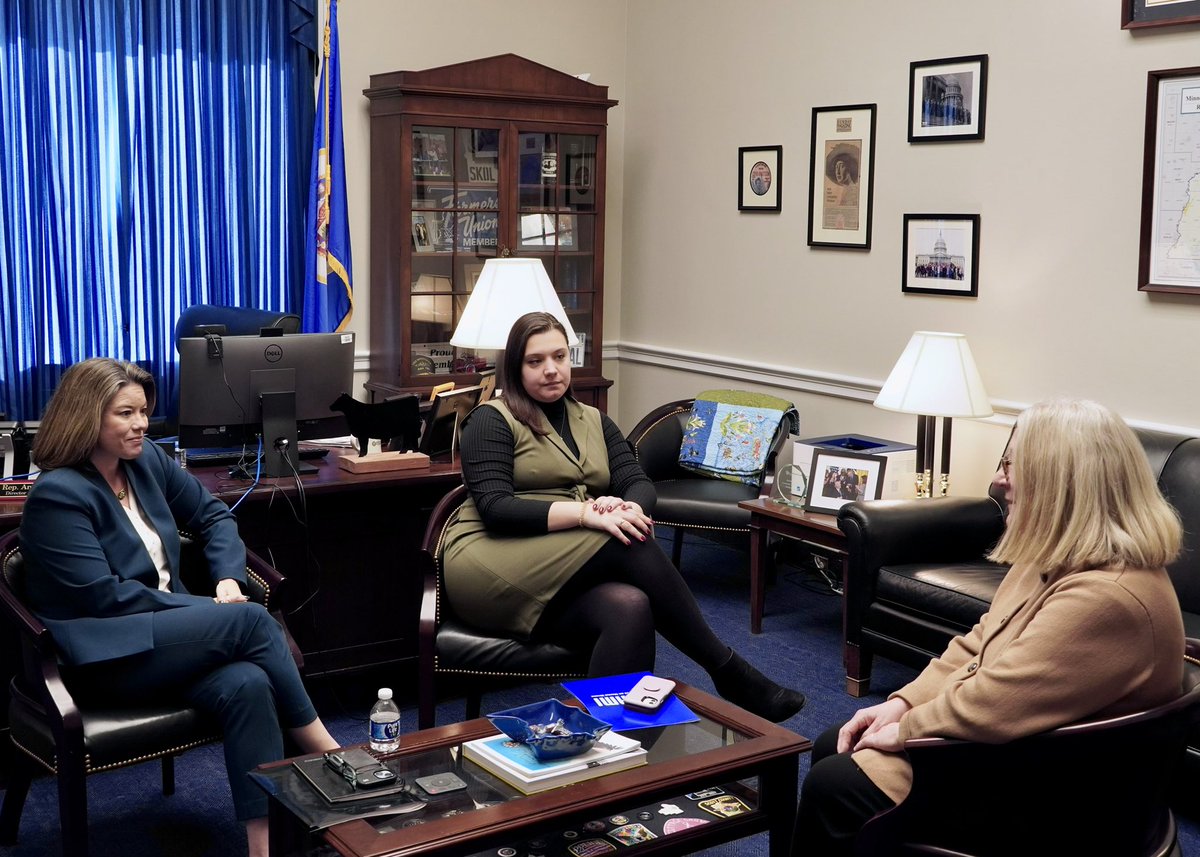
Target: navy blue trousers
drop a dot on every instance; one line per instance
(231, 660)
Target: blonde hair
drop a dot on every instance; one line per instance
(1085, 495)
(70, 427)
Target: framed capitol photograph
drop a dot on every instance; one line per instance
(1169, 252)
(941, 254)
(1136, 14)
(760, 178)
(947, 99)
(841, 177)
(838, 477)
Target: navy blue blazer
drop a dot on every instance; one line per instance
(91, 580)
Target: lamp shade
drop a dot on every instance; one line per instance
(935, 375)
(506, 290)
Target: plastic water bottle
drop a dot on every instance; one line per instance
(385, 723)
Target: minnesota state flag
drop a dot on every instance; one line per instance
(328, 287)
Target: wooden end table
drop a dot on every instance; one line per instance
(724, 751)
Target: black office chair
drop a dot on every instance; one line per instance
(449, 647)
(688, 501)
(237, 320)
(1095, 787)
(74, 738)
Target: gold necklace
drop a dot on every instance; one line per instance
(122, 494)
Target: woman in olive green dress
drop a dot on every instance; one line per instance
(556, 541)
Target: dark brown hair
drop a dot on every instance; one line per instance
(70, 428)
(508, 375)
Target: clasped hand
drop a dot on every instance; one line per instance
(622, 519)
(229, 592)
(877, 727)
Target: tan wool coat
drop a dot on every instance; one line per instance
(1051, 650)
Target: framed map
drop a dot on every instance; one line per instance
(1169, 259)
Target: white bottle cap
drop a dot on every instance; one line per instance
(385, 693)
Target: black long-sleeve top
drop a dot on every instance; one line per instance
(487, 463)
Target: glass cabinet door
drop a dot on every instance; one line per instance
(455, 227)
(556, 221)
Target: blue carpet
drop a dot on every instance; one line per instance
(800, 646)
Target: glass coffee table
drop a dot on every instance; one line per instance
(727, 776)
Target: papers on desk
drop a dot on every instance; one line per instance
(604, 699)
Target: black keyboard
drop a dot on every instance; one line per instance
(229, 457)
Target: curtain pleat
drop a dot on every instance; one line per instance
(156, 156)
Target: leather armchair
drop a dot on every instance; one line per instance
(447, 646)
(1094, 787)
(687, 500)
(73, 738)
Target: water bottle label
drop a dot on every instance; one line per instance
(383, 732)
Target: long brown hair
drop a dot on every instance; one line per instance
(70, 427)
(508, 376)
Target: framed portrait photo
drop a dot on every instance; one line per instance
(947, 99)
(1136, 14)
(1169, 251)
(837, 478)
(841, 177)
(941, 254)
(760, 178)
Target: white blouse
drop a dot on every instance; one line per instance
(150, 539)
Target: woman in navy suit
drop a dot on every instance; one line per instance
(100, 532)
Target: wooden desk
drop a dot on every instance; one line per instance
(766, 517)
(348, 548)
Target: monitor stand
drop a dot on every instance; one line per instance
(279, 423)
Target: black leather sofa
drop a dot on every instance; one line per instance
(917, 575)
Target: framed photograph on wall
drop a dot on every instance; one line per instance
(947, 99)
(838, 478)
(941, 254)
(760, 178)
(1136, 14)
(841, 177)
(1169, 252)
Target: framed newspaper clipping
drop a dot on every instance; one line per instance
(1169, 254)
(841, 176)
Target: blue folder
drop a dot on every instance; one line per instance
(604, 699)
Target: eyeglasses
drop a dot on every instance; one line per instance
(1006, 464)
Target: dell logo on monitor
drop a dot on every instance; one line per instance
(273, 354)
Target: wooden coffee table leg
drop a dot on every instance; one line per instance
(758, 573)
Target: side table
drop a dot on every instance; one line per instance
(814, 528)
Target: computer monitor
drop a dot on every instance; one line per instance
(233, 388)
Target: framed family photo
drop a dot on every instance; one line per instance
(941, 254)
(947, 99)
(1169, 251)
(838, 478)
(841, 176)
(760, 178)
(1136, 14)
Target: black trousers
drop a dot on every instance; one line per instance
(836, 800)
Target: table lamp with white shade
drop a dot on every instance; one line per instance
(506, 290)
(935, 377)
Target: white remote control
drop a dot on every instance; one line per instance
(649, 694)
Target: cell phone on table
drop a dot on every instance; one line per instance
(649, 694)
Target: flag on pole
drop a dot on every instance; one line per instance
(328, 287)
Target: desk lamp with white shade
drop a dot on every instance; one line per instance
(935, 377)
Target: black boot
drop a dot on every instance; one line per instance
(746, 687)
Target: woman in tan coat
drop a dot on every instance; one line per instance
(556, 541)
(1085, 624)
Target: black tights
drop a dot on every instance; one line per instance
(618, 599)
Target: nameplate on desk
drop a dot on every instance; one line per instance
(15, 489)
(380, 462)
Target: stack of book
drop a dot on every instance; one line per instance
(515, 763)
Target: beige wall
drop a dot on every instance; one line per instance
(700, 295)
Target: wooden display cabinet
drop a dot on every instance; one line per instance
(494, 157)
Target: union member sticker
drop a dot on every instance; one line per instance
(590, 847)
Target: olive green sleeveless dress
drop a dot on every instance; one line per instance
(502, 583)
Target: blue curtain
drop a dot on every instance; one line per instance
(155, 155)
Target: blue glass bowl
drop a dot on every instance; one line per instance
(581, 728)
